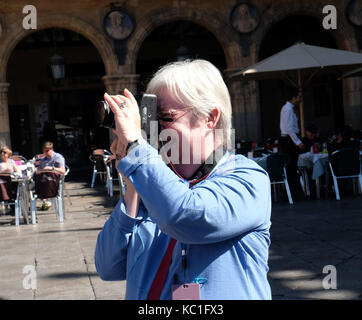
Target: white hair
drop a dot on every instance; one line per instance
(198, 84)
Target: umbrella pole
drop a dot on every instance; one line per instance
(301, 110)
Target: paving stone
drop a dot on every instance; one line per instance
(305, 237)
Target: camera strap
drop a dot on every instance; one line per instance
(203, 171)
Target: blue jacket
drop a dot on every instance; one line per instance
(223, 220)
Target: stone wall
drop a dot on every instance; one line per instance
(86, 18)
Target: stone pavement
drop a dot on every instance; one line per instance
(306, 238)
(62, 253)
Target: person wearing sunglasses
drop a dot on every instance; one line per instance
(7, 164)
(193, 224)
(7, 187)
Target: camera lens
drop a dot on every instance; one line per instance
(104, 115)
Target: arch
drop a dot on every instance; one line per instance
(72, 23)
(221, 31)
(274, 15)
(284, 33)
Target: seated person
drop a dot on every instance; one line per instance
(7, 165)
(51, 166)
(343, 140)
(51, 160)
(309, 139)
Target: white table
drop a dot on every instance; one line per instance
(24, 179)
(318, 162)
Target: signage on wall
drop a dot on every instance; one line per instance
(244, 17)
(118, 24)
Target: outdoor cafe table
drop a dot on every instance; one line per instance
(318, 162)
(24, 181)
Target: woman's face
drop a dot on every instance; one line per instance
(4, 156)
(186, 132)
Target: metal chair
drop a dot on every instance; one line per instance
(99, 166)
(15, 201)
(343, 164)
(304, 180)
(113, 175)
(57, 200)
(275, 166)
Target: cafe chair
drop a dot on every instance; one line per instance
(343, 164)
(275, 166)
(113, 175)
(57, 200)
(304, 180)
(14, 200)
(99, 166)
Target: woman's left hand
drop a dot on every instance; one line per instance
(126, 116)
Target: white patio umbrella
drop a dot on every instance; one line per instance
(299, 63)
(354, 73)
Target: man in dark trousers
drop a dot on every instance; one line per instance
(289, 140)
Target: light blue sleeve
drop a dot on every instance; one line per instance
(59, 161)
(230, 202)
(111, 250)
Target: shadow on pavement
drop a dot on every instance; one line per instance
(316, 250)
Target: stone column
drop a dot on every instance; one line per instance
(115, 84)
(4, 115)
(246, 115)
(352, 92)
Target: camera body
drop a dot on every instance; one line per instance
(148, 112)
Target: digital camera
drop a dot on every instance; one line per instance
(148, 112)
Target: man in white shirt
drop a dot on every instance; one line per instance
(289, 140)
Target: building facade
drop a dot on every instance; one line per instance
(110, 46)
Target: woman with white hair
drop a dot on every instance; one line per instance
(197, 227)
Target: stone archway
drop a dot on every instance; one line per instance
(221, 31)
(227, 38)
(95, 36)
(323, 98)
(275, 14)
(15, 35)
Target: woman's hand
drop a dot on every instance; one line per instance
(127, 119)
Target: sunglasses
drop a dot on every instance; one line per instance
(172, 115)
